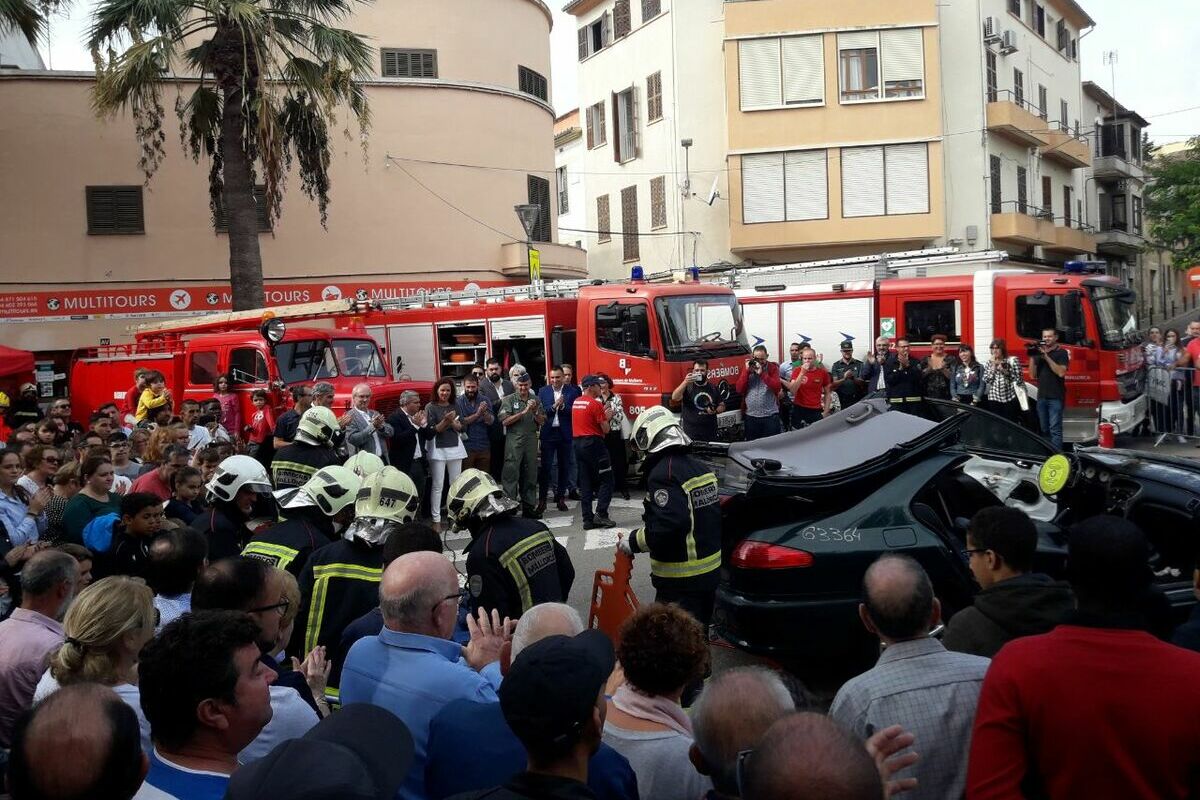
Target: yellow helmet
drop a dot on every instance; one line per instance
(317, 426)
(330, 489)
(386, 500)
(656, 429)
(364, 463)
(475, 493)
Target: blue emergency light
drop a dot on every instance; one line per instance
(637, 274)
(694, 274)
(1084, 267)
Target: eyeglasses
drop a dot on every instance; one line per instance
(460, 595)
(282, 607)
(739, 772)
(50, 460)
(477, 374)
(968, 552)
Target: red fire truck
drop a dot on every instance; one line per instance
(1094, 314)
(192, 353)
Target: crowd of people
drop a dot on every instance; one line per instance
(272, 613)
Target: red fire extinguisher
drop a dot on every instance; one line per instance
(1108, 434)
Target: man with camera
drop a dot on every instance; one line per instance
(699, 403)
(759, 387)
(1048, 367)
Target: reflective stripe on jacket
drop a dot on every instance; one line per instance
(682, 523)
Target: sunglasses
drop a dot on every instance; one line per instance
(460, 595)
(50, 460)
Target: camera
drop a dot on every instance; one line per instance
(1035, 348)
(699, 378)
(755, 364)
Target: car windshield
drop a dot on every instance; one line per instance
(359, 358)
(305, 360)
(1115, 316)
(709, 324)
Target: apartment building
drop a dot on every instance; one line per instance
(652, 108)
(1114, 185)
(569, 152)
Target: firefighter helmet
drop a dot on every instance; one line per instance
(317, 426)
(386, 499)
(330, 489)
(656, 429)
(364, 463)
(236, 473)
(475, 493)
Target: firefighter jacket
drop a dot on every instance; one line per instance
(513, 564)
(681, 524)
(295, 464)
(288, 544)
(225, 529)
(338, 584)
(903, 382)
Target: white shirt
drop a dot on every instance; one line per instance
(26, 483)
(376, 444)
(291, 718)
(417, 441)
(557, 397)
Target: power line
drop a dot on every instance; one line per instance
(619, 233)
(474, 219)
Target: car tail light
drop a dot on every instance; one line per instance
(764, 555)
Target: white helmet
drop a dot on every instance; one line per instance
(475, 493)
(656, 429)
(237, 472)
(386, 499)
(330, 489)
(317, 426)
(364, 463)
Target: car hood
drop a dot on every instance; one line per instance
(862, 441)
(1181, 472)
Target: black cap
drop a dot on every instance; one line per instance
(550, 692)
(847, 345)
(523, 378)
(362, 751)
(590, 380)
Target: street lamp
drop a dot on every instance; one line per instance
(528, 213)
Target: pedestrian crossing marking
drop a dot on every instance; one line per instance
(620, 502)
(558, 522)
(603, 540)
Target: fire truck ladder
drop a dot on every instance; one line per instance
(882, 265)
(423, 298)
(239, 320)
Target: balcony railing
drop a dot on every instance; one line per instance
(1021, 207)
(1010, 96)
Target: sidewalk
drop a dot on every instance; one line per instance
(1169, 447)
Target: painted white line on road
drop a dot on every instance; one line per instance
(558, 522)
(451, 536)
(562, 540)
(621, 502)
(601, 540)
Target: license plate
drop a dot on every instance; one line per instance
(728, 419)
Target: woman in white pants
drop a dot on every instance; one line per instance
(446, 450)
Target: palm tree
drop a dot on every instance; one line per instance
(26, 16)
(270, 77)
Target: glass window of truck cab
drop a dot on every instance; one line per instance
(924, 318)
(624, 328)
(359, 358)
(1116, 318)
(703, 325)
(305, 360)
(1037, 311)
(248, 365)
(202, 368)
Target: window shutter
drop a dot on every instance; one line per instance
(857, 40)
(634, 131)
(260, 206)
(758, 73)
(658, 202)
(654, 104)
(650, 10)
(539, 195)
(1062, 39)
(603, 223)
(606, 28)
(1022, 188)
(629, 223)
(995, 184)
(601, 129)
(622, 19)
(588, 118)
(616, 117)
(803, 70)
(806, 184)
(903, 55)
(583, 42)
(907, 178)
(862, 178)
(762, 188)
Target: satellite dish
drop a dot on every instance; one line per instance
(713, 194)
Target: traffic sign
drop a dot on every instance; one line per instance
(535, 265)
(1193, 277)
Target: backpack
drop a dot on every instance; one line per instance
(98, 534)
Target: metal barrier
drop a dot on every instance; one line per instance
(1174, 403)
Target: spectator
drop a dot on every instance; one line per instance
(105, 628)
(522, 415)
(848, 376)
(730, 717)
(904, 379)
(759, 386)
(556, 436)
(662, 650)
(572, 486)
(999, 383)
(230, 417)
(82, 742)
(786, 370)
(498, 754)
(158, 481)
(139, 440)
(553, 700)
(412, 668)
(1049, 371)
(20, 512)
(88, 444)
(614, 435)
(495, 387)
(83, 561)
(285, 426)
(60, 414)
(360, 752)
(101, 424)
(409, 434)
(113, 413)
(120, 449)
(177, 558)
(32, 632)
(805, 756)
(46, 433)
(129, 404)
(141, 520)
(184, 505)
(210, 418)
(153, 397)
(699, 403)
(208, 460)
(41, 463)
(1168, 415)
(207, 695)
(589, 424)
(24, 408)
(366, 429)
(937, 369)
(323, 393)
(811, 386)
(446, 450)
(160, 439)
(1127, 703)
(966, 383)
(475, 414)
(239, 487)
(198, 435)
(1014, 601)
(21, 442)
(916, 683)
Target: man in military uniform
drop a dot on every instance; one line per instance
(311, 450)
(847, 373)
(512, 564)
(521, 414)
(903, 377)
(681, 526)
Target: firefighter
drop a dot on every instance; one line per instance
(311, 450)
(364, 463)
(512, 564)
(340, 582)
(682, 522)
(902, 374)
(521, 414)
(239, 492)
(314, 516)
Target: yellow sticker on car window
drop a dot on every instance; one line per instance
(1053, 476)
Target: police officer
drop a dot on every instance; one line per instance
(239, 492)
(340, 582)
(311, 450)
(682, 522)
(512, 564)
(902, 375)
(522, 414)
(314, 515)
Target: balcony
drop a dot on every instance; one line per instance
(1066, 148)
(1114, 165)
(559, 261)
(1118, 238)
(1072, 236)
(1023, 224)
(1016, 119)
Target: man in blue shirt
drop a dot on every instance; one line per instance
(497, 755)
(475, 413)
(412, 668)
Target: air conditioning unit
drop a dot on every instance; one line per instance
(991, 30)
(1008, 43)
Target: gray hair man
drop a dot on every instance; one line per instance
(322, 394)
(366, 429)
(807, 756)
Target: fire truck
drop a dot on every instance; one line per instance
(826, 302)
(257, 349)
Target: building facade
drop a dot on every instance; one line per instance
(462, 131)
(569, 153)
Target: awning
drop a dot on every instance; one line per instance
(15, 362)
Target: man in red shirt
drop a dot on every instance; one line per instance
(1098, 707)
(810, 388)
(589, 423)
(158, 480)
(1191, 358)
